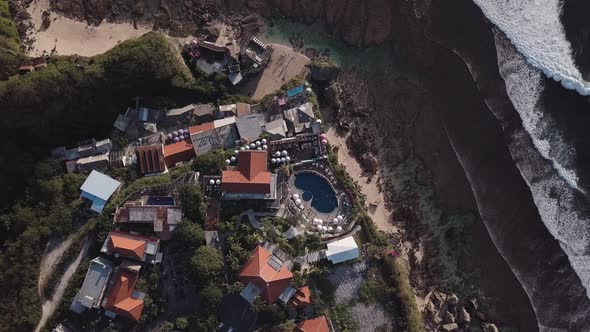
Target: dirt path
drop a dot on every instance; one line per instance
(69, 37)
(380, 214)
(53, 254)
(49, 306)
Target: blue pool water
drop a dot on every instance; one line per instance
(324, 197)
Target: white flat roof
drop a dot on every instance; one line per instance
(100, 185)
(340, 246)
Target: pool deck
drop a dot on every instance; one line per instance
(309, 212)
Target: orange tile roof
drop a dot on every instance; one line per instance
(263, 275)
(319, 324)
(250, 176)
(120, 300)
(127, 246)
(177, 152)
(202, 127)
(302, 297)
(176, 148)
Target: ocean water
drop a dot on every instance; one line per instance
(316, 36)
(562, 206)
(535, 29)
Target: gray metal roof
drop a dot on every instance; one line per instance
(249, 127)
(95, 282)
(276, 127)
(181, 110)
(100, 185)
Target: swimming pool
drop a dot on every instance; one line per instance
(324, 198)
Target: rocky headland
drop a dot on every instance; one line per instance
(440, 139)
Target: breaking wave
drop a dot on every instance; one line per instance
(534, 28)
(561, 207)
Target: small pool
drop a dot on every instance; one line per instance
(316, 187)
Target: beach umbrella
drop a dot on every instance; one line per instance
(252, 146)
(335, 220)
(232, 159)
(236, 151)
(340, 218)
(258, 143)
(330, 229)
(324, 141)
(324, 136)
(339, 229)
(170, 135)
(296, 196)
(227, 161)
(264, 141)
(259, 148)
(285, 153)
(298, 201)
(242, 148)
(321, 221)
(211, 181)
(264, 147)
(218, 182)
(288, 159)
(181, 137)
(175, 133)
(278, 154)
(283, 160)
(176, 139)
(301, 206)
(247, 147)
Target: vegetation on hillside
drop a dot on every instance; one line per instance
(76, 98)
(50, 210)
(10, 57)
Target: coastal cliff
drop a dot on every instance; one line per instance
(451, 125)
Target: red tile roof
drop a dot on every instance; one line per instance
(302, 297)
(178, 152)
(264, 276)
(319, 324)
(150, 159)
(202, 127)
(250, 176)
(126, 246)
(120, 300)
(129, 245)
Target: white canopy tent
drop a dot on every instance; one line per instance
(342, 250)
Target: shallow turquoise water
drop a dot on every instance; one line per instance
(316, 36)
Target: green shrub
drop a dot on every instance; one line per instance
(396, 274)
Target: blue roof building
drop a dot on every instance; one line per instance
(98, 188)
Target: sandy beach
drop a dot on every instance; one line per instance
(380, 214)
(68, 37)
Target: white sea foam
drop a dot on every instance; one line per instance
(558, 203)
(534, 28)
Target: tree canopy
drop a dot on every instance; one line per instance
(193, 203)
(206, 264)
